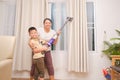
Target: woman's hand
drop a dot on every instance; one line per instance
(58, 32)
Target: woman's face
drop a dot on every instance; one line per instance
(47, 24)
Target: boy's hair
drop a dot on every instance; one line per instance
(31, 28)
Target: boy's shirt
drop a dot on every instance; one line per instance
(36, 44)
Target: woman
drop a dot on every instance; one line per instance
(46, 33)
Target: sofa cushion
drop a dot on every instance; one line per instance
(6, 47)
(3, 63)
(6, 69)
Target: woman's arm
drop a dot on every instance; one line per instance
(58, 33)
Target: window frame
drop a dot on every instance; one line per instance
(95, 27)
(95, 35)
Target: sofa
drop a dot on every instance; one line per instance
(7, 45)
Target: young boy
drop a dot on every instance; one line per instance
(38, 57)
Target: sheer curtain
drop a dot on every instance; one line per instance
(28, 13)
(7, 17)
(58, 16)
(78, 40)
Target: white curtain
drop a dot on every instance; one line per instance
(28, 13)
(78, 40)
(7, 18)
(58, 16)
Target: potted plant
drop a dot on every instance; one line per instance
(113, 47)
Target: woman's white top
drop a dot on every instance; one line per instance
(46, 35)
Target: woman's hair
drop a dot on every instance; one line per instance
(47, 19)
(32, 28)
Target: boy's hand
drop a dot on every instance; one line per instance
(43, 42)
(44, 48)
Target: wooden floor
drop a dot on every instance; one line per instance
(20, 79)
(26, 79)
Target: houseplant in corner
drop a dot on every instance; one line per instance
(113, 52)
(113, 48)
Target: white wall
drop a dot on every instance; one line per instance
(107, 19)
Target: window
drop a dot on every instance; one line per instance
(58, 16)
(91, 26)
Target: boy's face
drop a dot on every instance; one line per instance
(33, 34)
